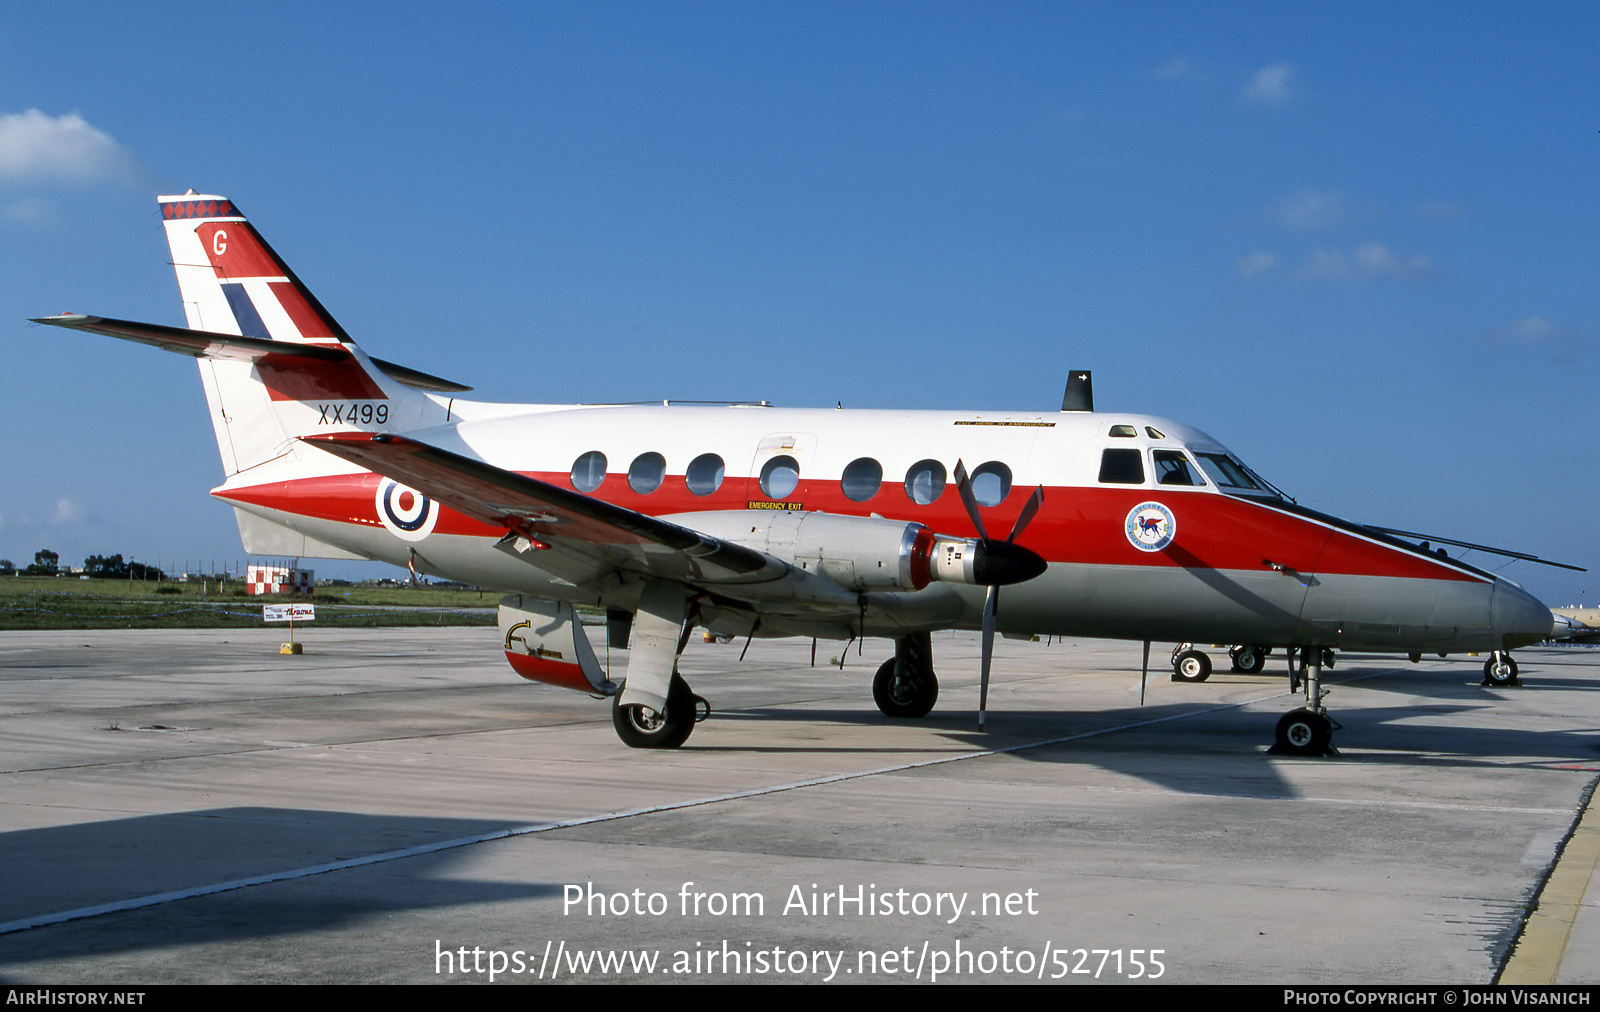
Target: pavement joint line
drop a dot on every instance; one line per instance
(158, 899)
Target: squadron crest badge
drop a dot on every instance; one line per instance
(1151, 527)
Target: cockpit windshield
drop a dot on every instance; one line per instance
(1232, 476)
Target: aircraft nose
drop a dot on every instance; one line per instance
(1520, 619)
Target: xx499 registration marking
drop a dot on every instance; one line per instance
(354, 413)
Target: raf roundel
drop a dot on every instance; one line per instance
(407, 513)
(1151, 527)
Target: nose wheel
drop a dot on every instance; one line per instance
(1500, 671)
(1304, 732)
(1189, 665)
(1248, 659)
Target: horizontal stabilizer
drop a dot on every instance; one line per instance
(205, 344)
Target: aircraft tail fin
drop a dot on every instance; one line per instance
(233, 284)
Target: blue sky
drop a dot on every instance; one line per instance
(1355, 242)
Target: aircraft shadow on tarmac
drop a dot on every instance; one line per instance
(48, 871)
(1401, 735)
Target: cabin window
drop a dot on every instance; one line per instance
(991, 483)
(1172, 468)
(1122, 467)
(647, 472)
(704, 475)
(779, 477)
(1124, 431)
(588, 471)
(925, 482)
(861, 479)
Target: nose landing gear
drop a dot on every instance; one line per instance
(1307, 731)
(1500, 671)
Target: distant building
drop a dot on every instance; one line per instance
(269, 579)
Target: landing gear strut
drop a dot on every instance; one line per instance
(905, 685)
(1307, 730)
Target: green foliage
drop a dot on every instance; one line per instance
(100, 567)
(43, 603)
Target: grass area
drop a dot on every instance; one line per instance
(42, 602)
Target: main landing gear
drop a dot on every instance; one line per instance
(1308, 730)
(905, 685)
(642, 727)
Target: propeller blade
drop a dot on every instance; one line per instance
(991, 603)
(1028, 510)
(970, 501)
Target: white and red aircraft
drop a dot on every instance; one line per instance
(750, 520)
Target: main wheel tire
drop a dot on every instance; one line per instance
(902, 690)
(1249, 660)
(1304, 732)
(1191, 666)
(641, 727)
(1500, 671)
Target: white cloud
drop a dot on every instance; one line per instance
(1562, 343)
(1256, 263)
(29, 211)
(68, 512)
(1311, 210)
(1179, 66)
(1373, 259)
(35, 147)
(1439, 209)
(1531, 328)
(1274, 84)
(1369, 260)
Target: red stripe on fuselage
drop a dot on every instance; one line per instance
(1080, 525)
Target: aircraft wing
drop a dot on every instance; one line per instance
(569, 534)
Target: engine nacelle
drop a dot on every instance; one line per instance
(869, 553)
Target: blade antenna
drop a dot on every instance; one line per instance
(753, 627)
(1144, 671)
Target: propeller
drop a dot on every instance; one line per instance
(999, 562)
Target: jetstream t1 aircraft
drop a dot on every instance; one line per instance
(750, 520)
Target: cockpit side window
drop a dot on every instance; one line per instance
(1122, 467)
(1172, 468)
(1229, 474)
